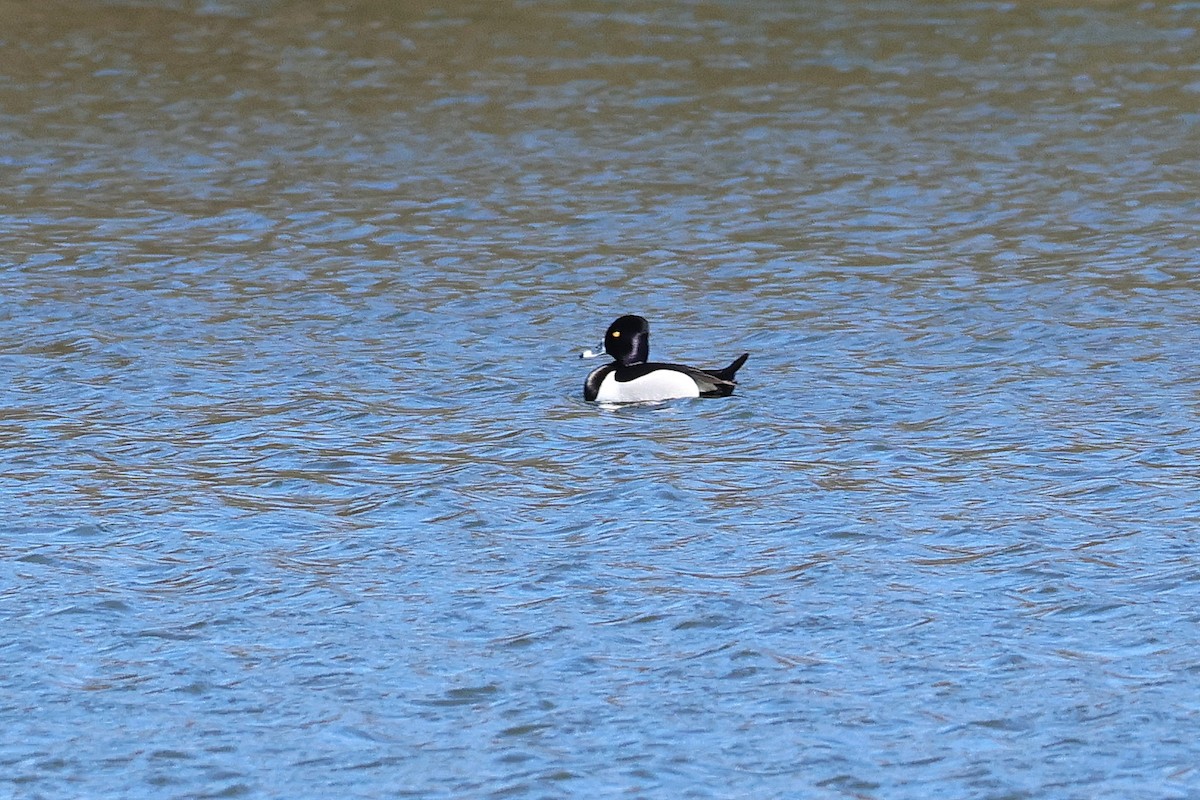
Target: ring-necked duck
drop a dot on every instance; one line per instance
(630, 378)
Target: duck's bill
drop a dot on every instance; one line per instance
(589, 353)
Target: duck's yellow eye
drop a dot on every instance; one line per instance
(616, 334)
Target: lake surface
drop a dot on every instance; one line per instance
(300, 497)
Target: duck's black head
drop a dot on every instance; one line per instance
(628, 340)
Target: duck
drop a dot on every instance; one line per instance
(632, 378)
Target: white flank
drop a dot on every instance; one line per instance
(663, 384)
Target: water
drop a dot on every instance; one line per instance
(301, 499)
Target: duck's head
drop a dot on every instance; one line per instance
(628, 340)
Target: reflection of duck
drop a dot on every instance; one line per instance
(630, 378)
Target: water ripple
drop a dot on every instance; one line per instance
(298, 470)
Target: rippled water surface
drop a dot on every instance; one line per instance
(301, 498)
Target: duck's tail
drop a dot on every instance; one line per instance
(728, 373)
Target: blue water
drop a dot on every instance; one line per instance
(301, 498)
